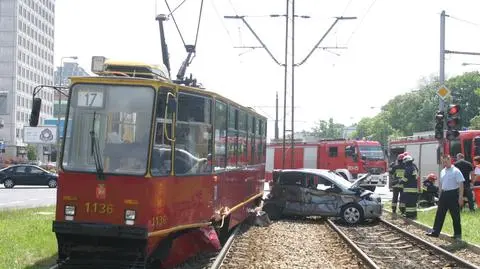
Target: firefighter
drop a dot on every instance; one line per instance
(410, 188)
(396, 174)
(429, 190)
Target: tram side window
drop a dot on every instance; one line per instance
(251, 138)
(161, 154)
(160, 137)
(258, 142)
(232, 138)
(264, 141)
(193, 133)
(220, 135)
(242, 138)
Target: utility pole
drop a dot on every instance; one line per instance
(276, 117)
(292, 161)
(285, 84)
(285, 65)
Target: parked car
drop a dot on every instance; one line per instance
(320, 192)
(27, 174)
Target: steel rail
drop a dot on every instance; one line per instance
(223, 253)
(353, 246)
(444, 252)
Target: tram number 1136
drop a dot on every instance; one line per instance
(99, 208)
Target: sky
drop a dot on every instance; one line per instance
(390, 48)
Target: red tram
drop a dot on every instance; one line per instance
(152, 171)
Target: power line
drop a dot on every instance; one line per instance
(222, 21)
(346, 7)
(234, 10)
(465, 21)
(361, 21)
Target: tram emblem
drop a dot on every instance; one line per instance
(101, 192)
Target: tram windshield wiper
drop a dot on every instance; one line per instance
(96, 150)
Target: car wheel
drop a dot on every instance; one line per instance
(52, 183)
(352, 214)
(8, 183)
(274, 211)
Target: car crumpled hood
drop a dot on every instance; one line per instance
(357, 182)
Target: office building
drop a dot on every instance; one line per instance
(26, 60)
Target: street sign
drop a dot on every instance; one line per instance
(443, 91)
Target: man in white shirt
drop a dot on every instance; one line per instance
(451, 198)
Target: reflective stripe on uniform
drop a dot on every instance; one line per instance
(410, 190)
(410, 209)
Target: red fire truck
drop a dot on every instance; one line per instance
(350, 158)
(423, 147)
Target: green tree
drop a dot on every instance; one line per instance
(330, 129)
(31, 152)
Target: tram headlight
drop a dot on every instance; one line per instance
(130, 214)
(70, 210)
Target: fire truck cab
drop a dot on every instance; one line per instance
(349, 158)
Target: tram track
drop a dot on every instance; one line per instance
(385, 245)
(288, 243)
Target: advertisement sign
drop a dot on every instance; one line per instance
(40, 135)
(53, 122)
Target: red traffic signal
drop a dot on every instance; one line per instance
(453, 122)
(453, 109)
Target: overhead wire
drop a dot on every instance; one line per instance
(176, 25)
(175, 22)
(361, 21)
(463, 20)
(223, 22)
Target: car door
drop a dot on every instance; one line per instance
(19, 175)
(324, 197)
(36, 176)
(291, 189)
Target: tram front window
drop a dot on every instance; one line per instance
(108, 127)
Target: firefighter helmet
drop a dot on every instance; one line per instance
(400, 157)
(432, 177)
(407, 158)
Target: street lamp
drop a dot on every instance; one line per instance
(59, 107)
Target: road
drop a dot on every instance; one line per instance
(31, 196)
(26, 196)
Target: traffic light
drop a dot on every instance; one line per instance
(453, 121)
(439, 125)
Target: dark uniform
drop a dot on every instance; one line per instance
(397, 175)
(410, 190)
(429, 191)
(466, 168)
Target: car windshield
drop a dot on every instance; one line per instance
(372, 152)
(108, 126)
(339, 180)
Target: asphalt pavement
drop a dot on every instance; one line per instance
(33, 196)
(26, 197)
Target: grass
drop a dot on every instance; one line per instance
(26, 239)
(470, 222)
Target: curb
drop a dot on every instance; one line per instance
(474, 248)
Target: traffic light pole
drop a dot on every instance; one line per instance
(441, 105)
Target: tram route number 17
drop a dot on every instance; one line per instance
(90, 99)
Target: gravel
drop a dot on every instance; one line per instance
(291, 244)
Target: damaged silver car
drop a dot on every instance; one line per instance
(320, 192)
